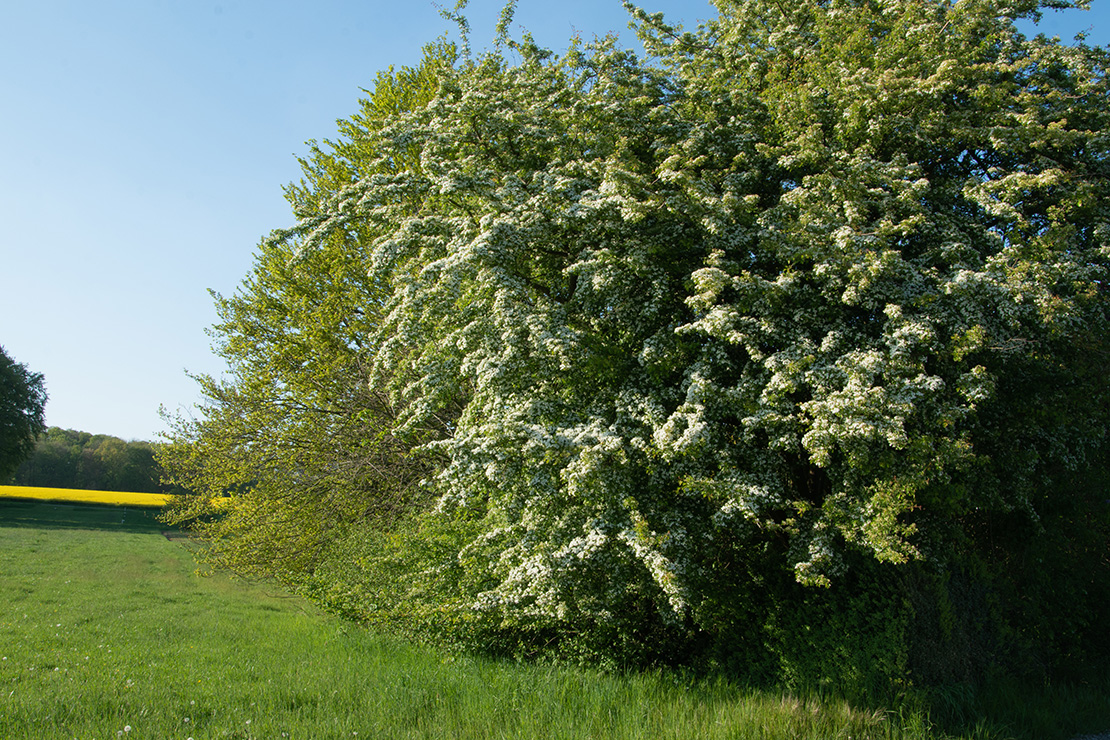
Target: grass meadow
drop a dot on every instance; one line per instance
(108, 631)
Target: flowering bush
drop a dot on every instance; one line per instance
(819, 281)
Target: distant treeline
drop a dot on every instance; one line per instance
(65, 458)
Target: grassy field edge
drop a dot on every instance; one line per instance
(111, 632)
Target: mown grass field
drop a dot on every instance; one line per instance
(106, 631)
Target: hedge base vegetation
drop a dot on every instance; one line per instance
(778, 353)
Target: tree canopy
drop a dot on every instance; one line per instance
(66, 458)
(22, 412)
(302, 432)
(811, 297)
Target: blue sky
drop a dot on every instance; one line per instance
(143, 150)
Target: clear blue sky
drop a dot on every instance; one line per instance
(143, 149)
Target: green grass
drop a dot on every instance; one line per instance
(106, 631)
(17, 512)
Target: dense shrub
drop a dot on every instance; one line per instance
(734, 358)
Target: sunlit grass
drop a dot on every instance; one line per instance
(110, 632)
(107, 633)
(115, 498)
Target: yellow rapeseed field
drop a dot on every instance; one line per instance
(117, 498)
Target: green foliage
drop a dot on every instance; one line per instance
(22, 412)
(734, 356)
(853, 640)
(64, 458)
(298, 442)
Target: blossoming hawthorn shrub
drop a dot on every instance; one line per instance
(809, 300)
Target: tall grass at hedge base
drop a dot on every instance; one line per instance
(113, 634)
(857, 645)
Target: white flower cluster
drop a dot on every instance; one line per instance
(652, 317)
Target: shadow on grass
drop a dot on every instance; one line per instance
(66, 515)
(1010, 708)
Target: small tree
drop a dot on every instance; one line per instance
(298, 444)
(22, 412)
